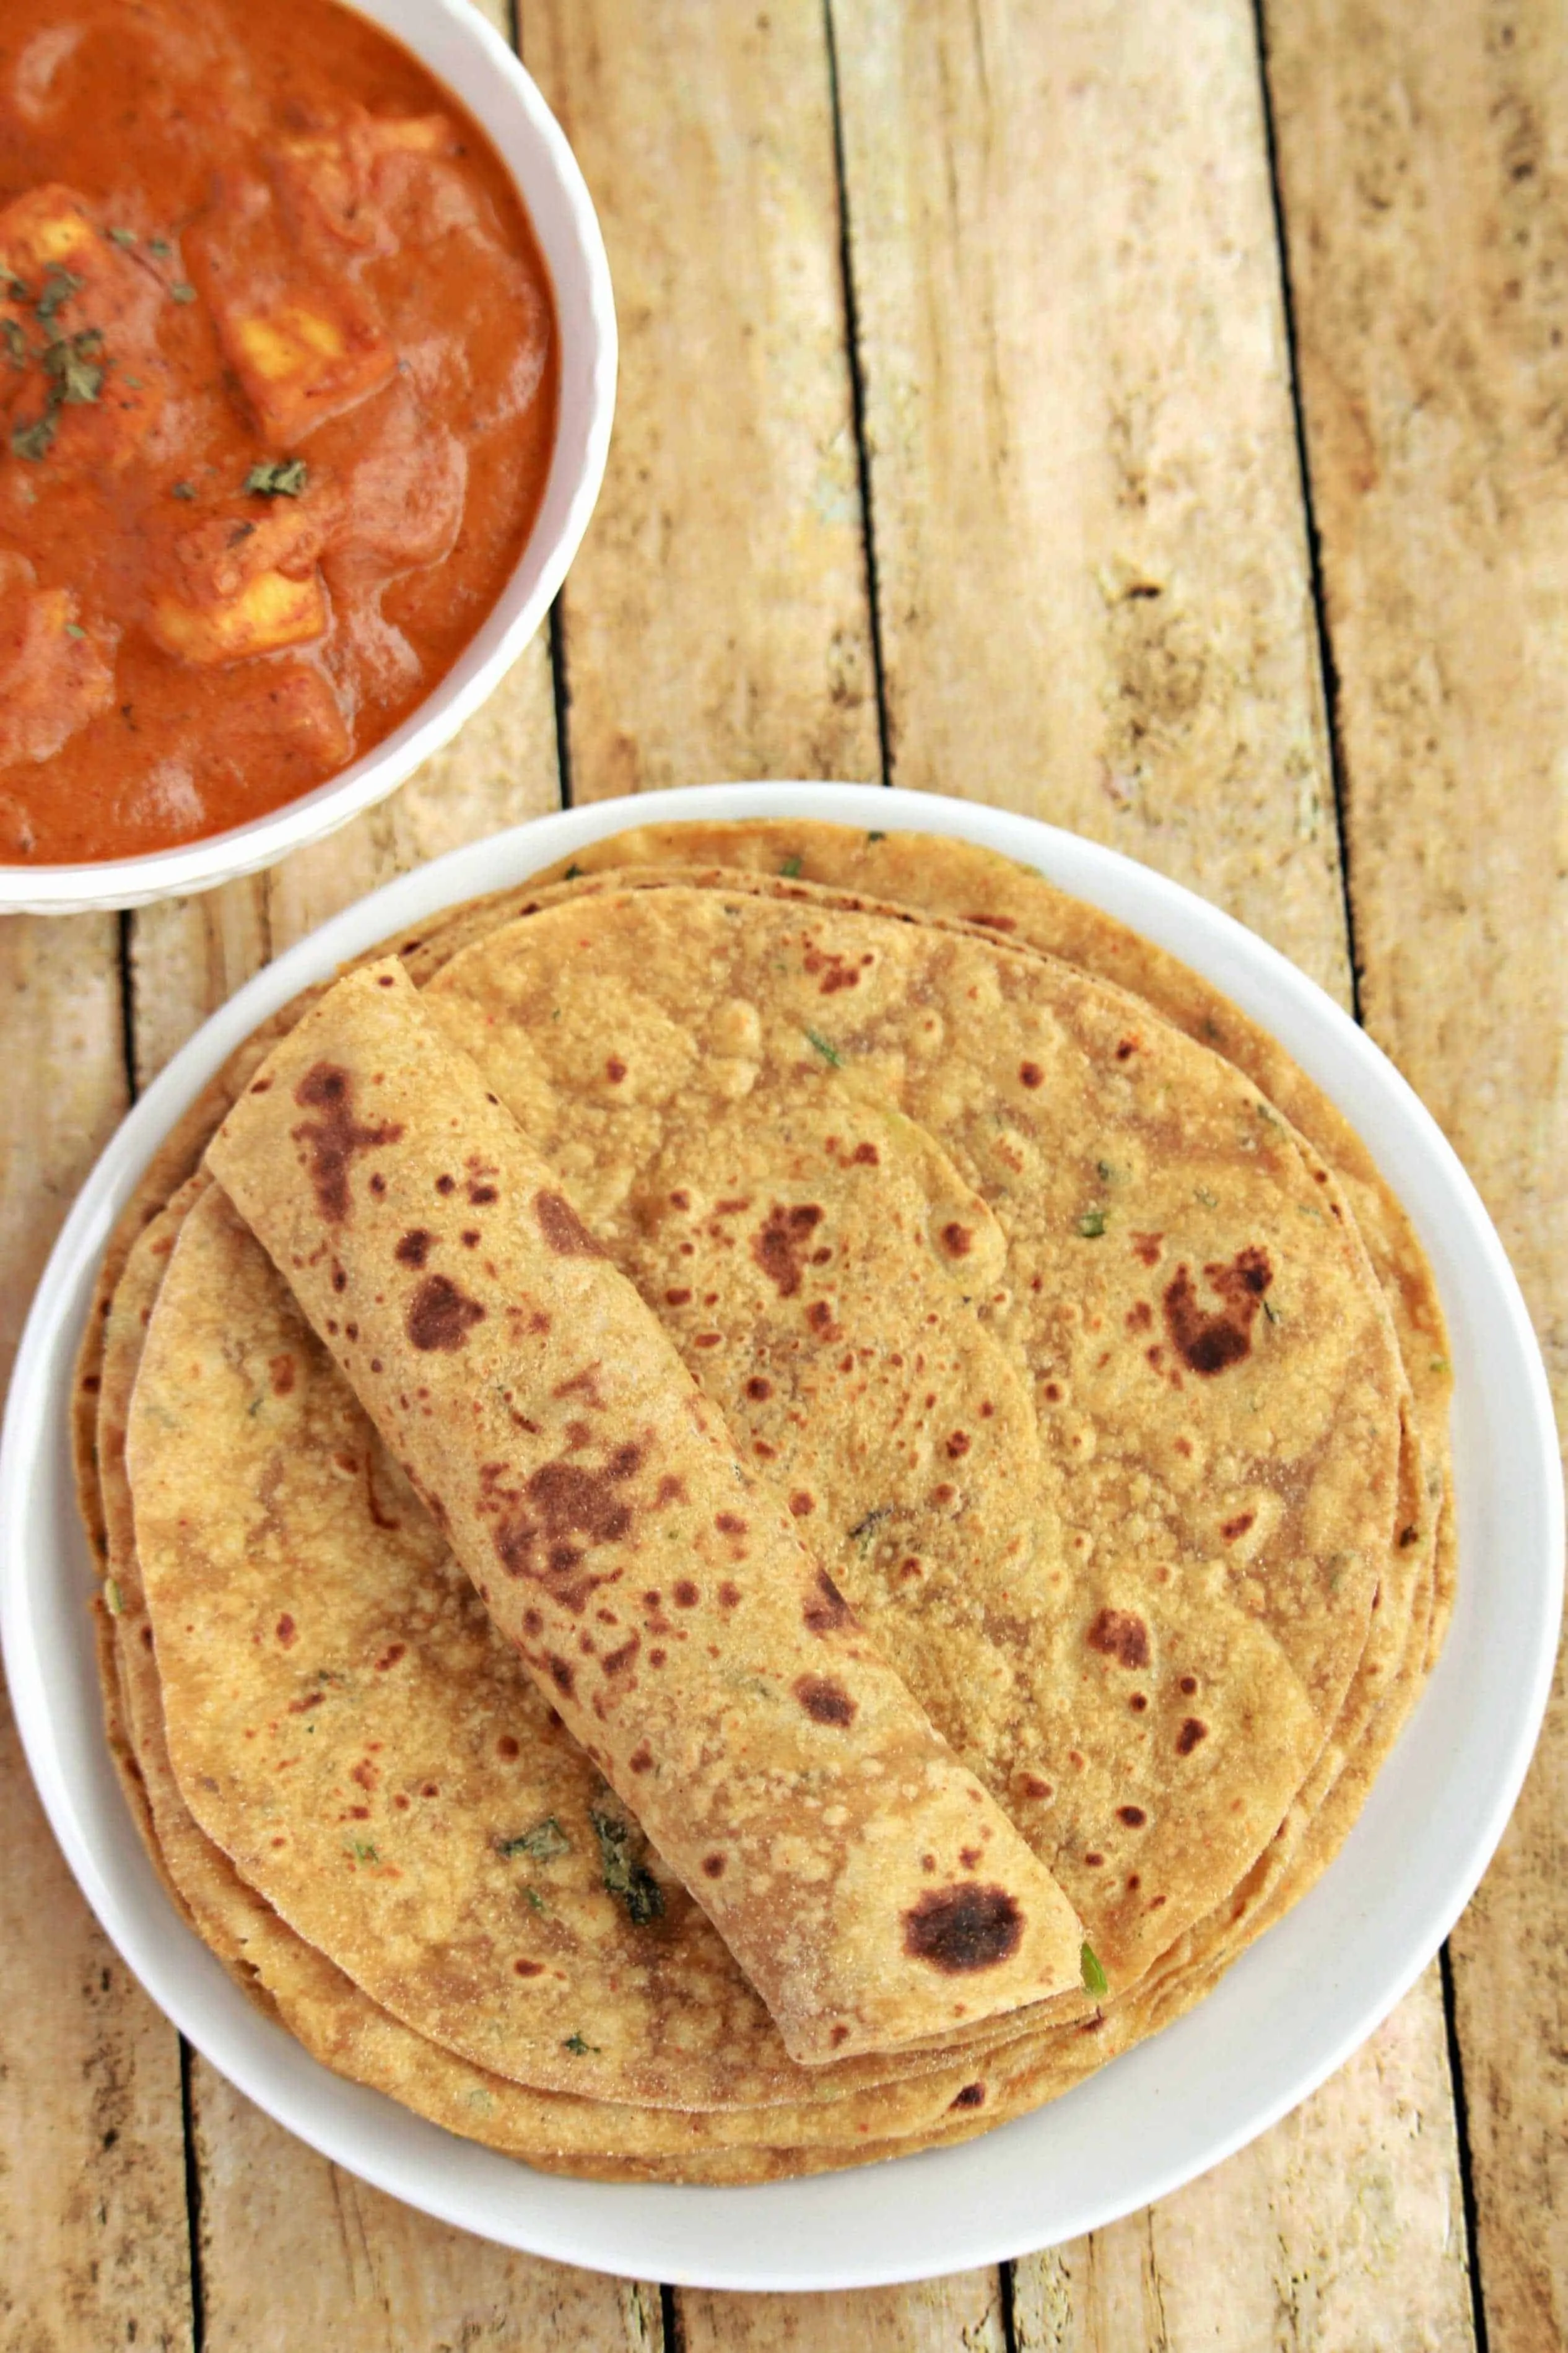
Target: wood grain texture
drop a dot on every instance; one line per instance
(93, 2248)
(1095, 601)
(296, 2253)
(716, 620)
(1096, 605)
(1425, 167)
(92, 2210)
(961, 2314)
(1303, 2240)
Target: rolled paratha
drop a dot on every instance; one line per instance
(871, 1890)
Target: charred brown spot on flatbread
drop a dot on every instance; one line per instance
(334, 1140)
(440, 1315)
(824, 1700)
(561, 1500)
(1208, 1341)
(1120, 1634)
(779, 1245)
(563, 1229)
(826, 1611)
(958, 1929)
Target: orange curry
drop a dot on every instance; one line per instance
(277, 388)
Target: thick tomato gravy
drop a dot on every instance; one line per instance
(278, 391)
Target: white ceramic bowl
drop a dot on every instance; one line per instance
(459, 48)
(1290, 2010)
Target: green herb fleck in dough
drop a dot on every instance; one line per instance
(535, 1898)
(876, 836)
(278, 478)
(828, 1053)
(791, 867)
(1210, 1200)
(111, 1595)
(1091, 1224)
(361, 1850)
(545, 1839)
(637, 1889)
(865, 1532)
(572, 872)
(575, 2043)
(1272, 1312)
(1095, 1981)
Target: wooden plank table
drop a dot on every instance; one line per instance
(1151, 417)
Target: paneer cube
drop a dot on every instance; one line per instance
(303, 341)
(55, 673)
(332, 180)
(82, 380)
(288, 718)
(269, 612)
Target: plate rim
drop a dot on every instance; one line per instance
(190, 1987)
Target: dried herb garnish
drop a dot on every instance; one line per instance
(160, 246)
(575, 2043)
(865, 1530)
(34, 441)
(278, 478)
(544, 1840)
(182, 292)
(75, 630)
(1095, 1981)
(59, 285)
(623, 1876)
(876, 836)
(792, 867)
(184, 491)
(73, 366)
(124, 238)
(572, 872)
(1091, 1224)
(15, 288)
(828, 1053)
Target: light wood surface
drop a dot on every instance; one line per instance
(970, 355)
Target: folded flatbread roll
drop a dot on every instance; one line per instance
(871, 1890)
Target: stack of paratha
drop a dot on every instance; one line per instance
(1062, 1315)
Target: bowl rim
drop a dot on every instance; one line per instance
(1286, 2015)
(184, 868)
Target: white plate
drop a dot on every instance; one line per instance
(1292, 2009)
(452, 40)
